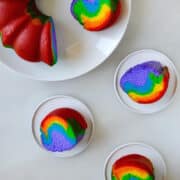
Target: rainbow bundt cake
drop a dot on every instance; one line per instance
(146, 83)
(133, 167)
(62, 129)
(96, 15)
(29, 32)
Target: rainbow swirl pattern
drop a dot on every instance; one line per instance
(62, 129)
(96, 15)
(146, 83)
(133, 167)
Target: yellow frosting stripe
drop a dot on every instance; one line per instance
(92, 22)
(157, 89)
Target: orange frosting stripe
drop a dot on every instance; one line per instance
(130, 170)
(53, 120)
(102, 19)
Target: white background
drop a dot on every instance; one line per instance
(154, 24)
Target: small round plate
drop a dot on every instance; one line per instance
(56, 102)
(139, 57)
(80, 51)
(141, 149)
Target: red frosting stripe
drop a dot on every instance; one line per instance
(135, 160)
(11, 30)
(67, 113)
(27, 43)
(10, 10)
(45, 44)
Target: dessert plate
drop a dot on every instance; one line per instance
(139, 57)
(57, 102)
(80, 51)
(141, 149)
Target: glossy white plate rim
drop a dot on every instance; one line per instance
(82, 70)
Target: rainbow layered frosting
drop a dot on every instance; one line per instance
(62, 129)
(146, 83)
(96, 15)
(133, 167)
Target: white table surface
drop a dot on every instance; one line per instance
(154, 24)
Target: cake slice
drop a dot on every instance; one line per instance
(29, 32)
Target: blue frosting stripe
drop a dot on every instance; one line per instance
(147, 87)
(92, 5)
(54, 41)
(55, 127)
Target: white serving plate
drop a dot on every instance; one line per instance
(80, 51)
